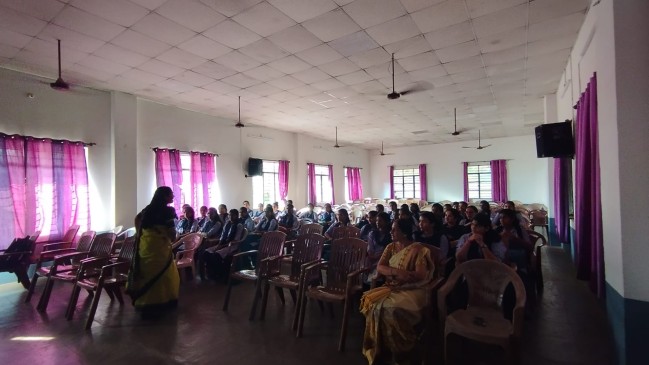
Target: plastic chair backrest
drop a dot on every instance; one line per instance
(191, 241)
(347, 255)
(310, 228)
(345, 232)
(127, 252)
(85, 241)
(271, 244)
(102, 245)
(70, 234)
(307, 248)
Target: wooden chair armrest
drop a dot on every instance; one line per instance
(236, 256)
(91, 263)
(319, 265)
(49, 255)
(54, 245)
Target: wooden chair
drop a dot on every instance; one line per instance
(344, 269)
(483, 319)
(15, 259)
(102, 247)
(307, 251)
(271, 245)
(185, 258)
(538, 241)
(304, 229)
(345, 232)
(539, 218)
(113, 274)
(83, 245)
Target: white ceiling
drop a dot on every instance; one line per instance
(309, 65)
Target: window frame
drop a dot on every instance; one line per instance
(323, 181)
(269, 176)
(483, 180)
(399, 175)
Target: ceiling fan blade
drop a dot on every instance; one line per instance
(419, 87)
(486, 146)
(467, 147)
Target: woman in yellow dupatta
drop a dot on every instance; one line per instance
(153, 280)
(392, 311)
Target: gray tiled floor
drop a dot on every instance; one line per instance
(569, 328)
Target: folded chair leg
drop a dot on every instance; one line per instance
(93, 307)
(264, 300)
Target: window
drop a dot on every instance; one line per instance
(347, 198)
(322, 184)
(479, 180)
(185, 187)
(265, 188)
(406, 183)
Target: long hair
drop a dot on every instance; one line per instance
(490, 235)
(160, 196)
(512, 215)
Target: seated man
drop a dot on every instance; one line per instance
(203, 216)
(188, 224)
(214, 258)
(223, 212)
(310, 215)
(245, 219)
(288, 222)
(258, 213)
(371, 226)
(211, 229)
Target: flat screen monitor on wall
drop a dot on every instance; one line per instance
(255, 167)
(555, 140)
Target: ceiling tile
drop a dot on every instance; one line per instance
(415, 5)
(264, 73)
(13, 39)
(192, 14)
(48, 50)
(174, 85)
(19, 22)
(120, 55)
(301, 10)
(503, 41)
(462, 65)
(455, 34)
(339, 67)
(305, 90)
(371, 57)
(70, 38)
(160, 68)
(328, 84)
(428, 73)
(286, 82)
(237, 61)
(319, 55)
(556, 27)
(240, 80)
(82, 22)
(41, 9)
(163, 29)
(311, 75)
(500, 21)
(149, 4)
(458, 52)
(143, 77)
(230, 8)
(231, 34)
(213, 70)
(549, 45)
(264, 51)
(103, 65)
(408, 47)
(479, 8)
(282, 96)
(353, 43)
(384, 70)
(419, 61)
(354, 78)
(140, 43)
(368, 13)
(264, 89)
(120, 12)
(394, 30)
(331, 25)
(264, 19)
(193, 78)
(204, 47)
(181, 58)
(221, 87)
(289, 65)
(469, 75)
(83, 73)
(295, 39)
(542, 10)
(440, 16)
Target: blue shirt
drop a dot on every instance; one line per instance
(266, 225)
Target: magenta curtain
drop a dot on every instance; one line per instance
(499, 180)
(589, 250)
(12, 189)
(310, 169)
(423, 182)
(169, 173)
(354, 183)
(283, 179)
(331, 181)
(465, 167)
(202, 179)
(562, 186)
(391, 182)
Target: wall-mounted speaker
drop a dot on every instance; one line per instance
(255, 167)
(555, 140)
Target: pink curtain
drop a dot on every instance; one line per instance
(354, 183)
(465, 167)
(589, 249)
(310, 169)
(169, 173)
(562, 187)
(12, 189)
(423, 182)
(391, 182)
(499, 180)
(283, 179)
(331, 180)
(202, 178)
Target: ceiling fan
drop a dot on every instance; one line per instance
(59, 84)
(337, 145)
(480, 146)
(395, 95)
(455, 131)
(239, 124)
(383, 153)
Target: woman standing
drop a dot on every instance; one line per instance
(392, 310)
(153, 281)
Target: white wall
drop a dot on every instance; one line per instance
(79, 114)
(527, 174)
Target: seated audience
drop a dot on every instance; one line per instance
(258, 213)
(278, 213)
(288, 222)
(310, 214)
(394, 211)
(438, 212)
(455, 205)
(380, 208)
(223, 212)
(431, 233)
(414, 210)
(452, 228)
(245, 219)
(215, 258)
(203, 218)
(470, 213)
(342, 220)
(463, 206)
(328, 216)
(482, 243)
(370, 226)
(485, 208)
(211, 229)
(188, 223)
(267, 224)
(404, 213)
(394, 310)
(495, 221)
(377, 241)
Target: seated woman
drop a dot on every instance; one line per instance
(328, 217)
(482, 243)
(431, 233)
(258, 213)
(211, 229)
(495, 221)
(203, 216)
(404, 213)
(378, 240)
(485, 208)
(371, 225)
(452, 228)
(309, 215)
(213, 259)
(153, 281)
(266, 224)
(393, 310)
(438, 212)
(342, 220)
(414, 210)
(188, 224)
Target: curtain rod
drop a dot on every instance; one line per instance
(87, 144)
(351, 167)
(175, 149)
